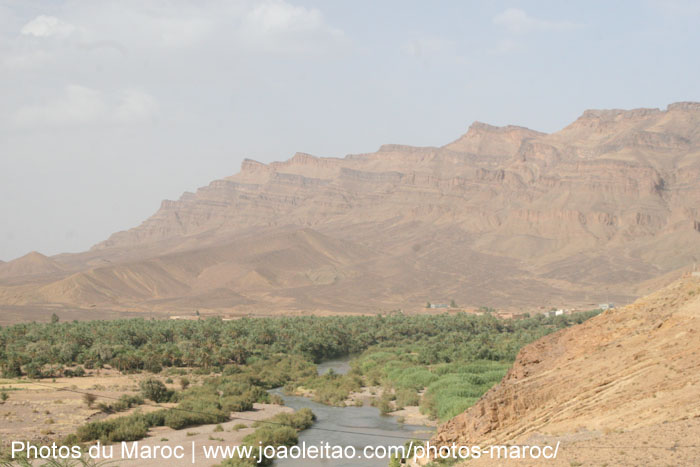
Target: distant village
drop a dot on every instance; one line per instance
(443, 305)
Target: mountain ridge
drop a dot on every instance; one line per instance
(587, 212)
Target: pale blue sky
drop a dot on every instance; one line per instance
(106, 108)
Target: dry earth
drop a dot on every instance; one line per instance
(43, 411)
(46, 411)
(622, 388)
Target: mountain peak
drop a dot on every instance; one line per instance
(619, 114)
(30, 264)
(688, 106)
(302, 158)
(34, 255)
(478, 126)
(492, 141)
(250, 165)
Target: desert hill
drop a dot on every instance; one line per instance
(502, 216)
(30, 264)
(629, 370)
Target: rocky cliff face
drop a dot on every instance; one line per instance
(607, 202)
(625, 369)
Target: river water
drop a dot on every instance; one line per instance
(368, 426)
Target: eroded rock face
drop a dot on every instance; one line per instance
(627, 368)
(604, 165)
(608, 201)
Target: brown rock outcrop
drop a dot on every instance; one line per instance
(626, 369)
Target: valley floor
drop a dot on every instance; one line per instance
(44, 410)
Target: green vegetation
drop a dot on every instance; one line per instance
(211, 402)
(280, 430)
(443, 372)
(125, 402)
(329, 389)
(459, 386)
(45, 350)
(443, 363)
(155, 390)
(184, 383)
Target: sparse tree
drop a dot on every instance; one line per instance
(89, 399)
(453, 304)
(4, 396)
(54, 318)
(427, 304)
(184, 383)
(12, 368)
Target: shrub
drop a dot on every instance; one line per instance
(195, 412)
(12, 369)
(129, 431)
(33, 371)
(153, 366)
(125, 402)
(407, 397)
(155, 390)
(129, 428)
(299, 420)
(184, 383)
(276, 399)
(156, 418)
(384, 404)
(271, 436)
(89, 399)
(73, 373)
(236, 404)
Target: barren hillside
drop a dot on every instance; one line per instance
(628, 375)
(31, 264)
(506, 217)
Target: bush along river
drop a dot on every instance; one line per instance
(357, 427)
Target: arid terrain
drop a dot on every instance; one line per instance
(502, 216)
(44, 411)
(620, 389)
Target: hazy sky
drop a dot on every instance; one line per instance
(106, 108)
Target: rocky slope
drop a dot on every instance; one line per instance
(629, 370)
(501, 217)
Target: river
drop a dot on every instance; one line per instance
(368, 426)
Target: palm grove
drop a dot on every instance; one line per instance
(443, 363)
